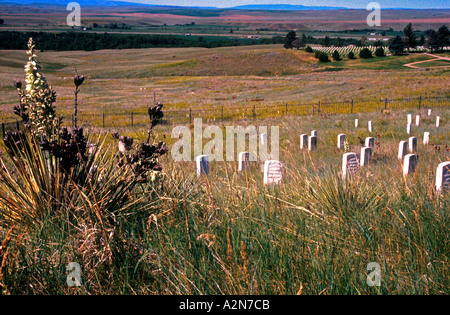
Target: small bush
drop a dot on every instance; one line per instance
(336, 55)
(351, 55)
(308, 49)
(323, 57)
(379, 52)
(365, 53)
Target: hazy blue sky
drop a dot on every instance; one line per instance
(337, 3)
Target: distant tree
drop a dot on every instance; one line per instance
(326, 41)
(397, 45)
(421, 41)
(336, 56)
(231, 31)
(296, 43)
(351, 55)
(365, 53)
(303, 40)
(308, 49)
(290, 37)
(432, 41)
(379, 52)
(323, 57)
(378, 43)
(316, 54)
(2, 21)
(363, 41)
(410, 38)
(443, 37)
(339, 42)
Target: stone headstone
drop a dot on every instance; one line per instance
(417, 120)
(356, 123)
(369, 126)
(370, 142)
(340, 140)
(243, 161)
(409, 118)
(402, 147)
(303, 141)
(202, 165)
(408, 129)
(426, 138)
(429, 112)
(366, 154)
(412, 144)
(350, 164)
(314, 133)
(273, 172)
(443, 177)
(263, 139)
(438, 118)
(410, 163)
(312, 143)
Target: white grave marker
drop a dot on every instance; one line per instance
(350, 164)
(369, 125)
(303, 141)
(312, 143)
(412, 144)
(366, 154)
(429, 112)
(409, 119)
(417, 120)
(356, 123)
(370, 142)
(273, 172)
(410, 163)
(340, 140)
(438, 118)
(426, 137)
(443, 176)
(314, 133)
(402, 149)
(408, 129)
(263, 139)
(244, 161)
(202, 165)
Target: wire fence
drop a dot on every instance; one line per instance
(255, 109)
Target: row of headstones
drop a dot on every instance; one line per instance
(351, 161)
(409, 122)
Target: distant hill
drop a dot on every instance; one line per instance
(284, 7)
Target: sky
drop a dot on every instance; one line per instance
(416, 4)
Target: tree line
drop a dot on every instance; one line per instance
(65, 41)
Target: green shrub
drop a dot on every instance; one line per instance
(351, 55)
(365, 53)
(379, 52)
(308, 49)
(323, 57)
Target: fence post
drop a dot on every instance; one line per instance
(286, 108)
(131, 119)
(318, 110)
(190, 115)
(222, 112)
(420, 101)
(254, 111)
(3, 129)
(385, 103)
(351, 109)
(103, 123)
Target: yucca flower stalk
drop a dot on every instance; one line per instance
(39, 98)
